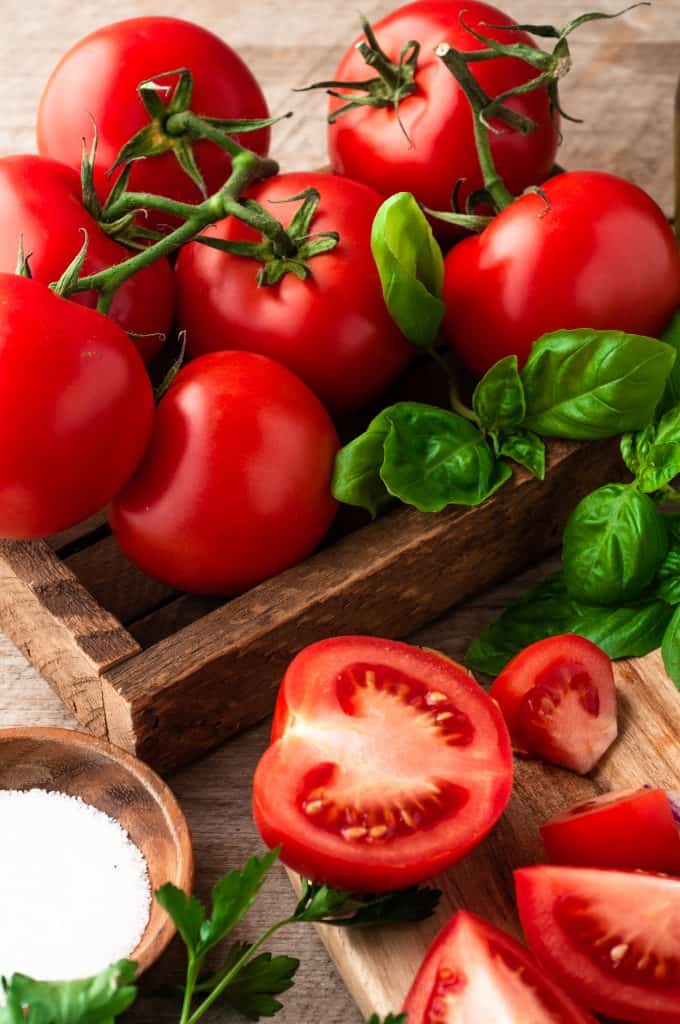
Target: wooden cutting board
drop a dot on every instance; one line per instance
(379, 964)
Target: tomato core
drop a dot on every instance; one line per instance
(339, 802)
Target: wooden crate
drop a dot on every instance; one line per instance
(168, 676)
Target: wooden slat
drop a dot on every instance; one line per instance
(379, 965)
(115, 583)
(93, 525)
(55, 622)
(186, 693)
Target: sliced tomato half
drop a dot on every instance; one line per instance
(476, 974)
(611, 938)
(388, 763)
(558, 698)
(632, 829)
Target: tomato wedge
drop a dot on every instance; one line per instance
(612, 938)
(474, 973)
(559, 701)
(388, 763)
(633, 829)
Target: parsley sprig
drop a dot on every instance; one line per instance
(248, 979)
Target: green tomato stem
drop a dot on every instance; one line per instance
(247, 168)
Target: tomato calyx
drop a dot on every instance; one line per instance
(394, 82)
(174, 127)
(282, 250)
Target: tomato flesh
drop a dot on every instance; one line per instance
(40, 200)
(593, 251)
(558, 698)
(634, 829)
(387, 764)
(475, 973)
(610, 937)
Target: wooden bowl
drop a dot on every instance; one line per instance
(120, 786)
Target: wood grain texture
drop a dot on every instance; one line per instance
(623, 87)
(119, 786)
(52, 618)
(187, 693)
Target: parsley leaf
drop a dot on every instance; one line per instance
(322, 905)
(252, 992)
(96, 1000)
(389, 1019)
(232, 898)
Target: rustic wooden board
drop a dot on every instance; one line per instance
(60, 627)
(378, 965)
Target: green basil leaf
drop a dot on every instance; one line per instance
(614, 543)
(435, 458)
(587, 385)
(525, 448)
(668, 586)
(356, 473)
(411, 268)
(653, 454)
(671, 336)
(629, 631)
(670, 648)
(498, 399)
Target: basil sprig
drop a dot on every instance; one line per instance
(424, 456)
(576, 385)
(627, 631)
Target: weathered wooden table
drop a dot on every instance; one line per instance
(623, 84)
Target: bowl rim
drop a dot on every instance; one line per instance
(161, 793)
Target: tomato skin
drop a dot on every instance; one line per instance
(235, 484)
(558, 699)
(638, 914)
(40, 200)
(98, 78)
(600, 255)
(76, 410)
(333, 329)
(326, 724)
(632, 830)
(369, 144)
(473, 968)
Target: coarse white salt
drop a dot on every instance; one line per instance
(74, 889)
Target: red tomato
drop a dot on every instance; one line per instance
(558, 699)
(611, 938)
(235, 485)
(41, 200)
(632, 829)
(98, 78)
(388, 764)
(595, 252)
(76, 410)
(333, 329)
(369, 144)
(474, 973)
